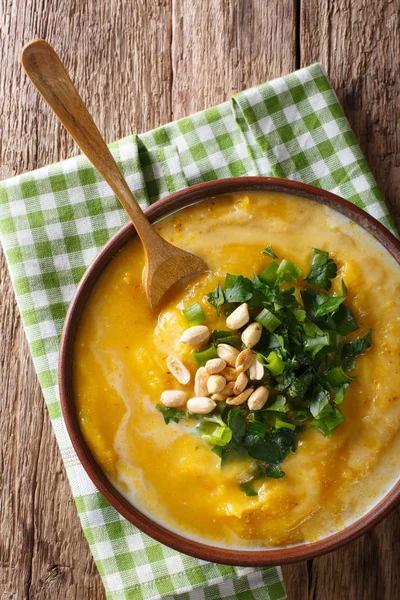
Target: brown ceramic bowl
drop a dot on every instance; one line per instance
(177, 541)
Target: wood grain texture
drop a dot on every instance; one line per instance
(220, 48)
(108, 47)
(138, 65)
(359, 42)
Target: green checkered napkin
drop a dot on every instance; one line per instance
(54, 220)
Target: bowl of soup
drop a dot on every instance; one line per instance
(253, 420)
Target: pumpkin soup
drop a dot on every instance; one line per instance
(254, 410)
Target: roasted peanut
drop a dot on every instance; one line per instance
(228, 389)
(244, 360)
(241, 398)
(195, 335)
(258, 398)
(228, 353)
(219, 397)
(225, 393)
(200, 382)
(201, 405)
(230, 373)
(178, 370)
(240, 383)
(256, 370)
(215, 365)
(252, 334)
(173, 398)
(239, 317)
(216, 384)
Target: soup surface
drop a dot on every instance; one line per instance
(168, 471)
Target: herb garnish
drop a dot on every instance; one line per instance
(171, 414)
(268, 251)
(304, 356)
(194, 314)
(323, 269)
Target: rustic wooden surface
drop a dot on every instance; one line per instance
(140, 64)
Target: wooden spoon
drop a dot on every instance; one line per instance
(165, 264)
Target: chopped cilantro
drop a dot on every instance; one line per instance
(350, 350)
(216, 298)
(274, 472)
(319, 304)
(247, 489)
(269, 252)
(280, 405)
(323, 269)
(241, 290)
(270, 448)
(344, 320)
(171, 414)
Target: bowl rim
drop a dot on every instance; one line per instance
(177, 541)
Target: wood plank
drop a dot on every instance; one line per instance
(108, 48)
(220, 48)
(358, 43)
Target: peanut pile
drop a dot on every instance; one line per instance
(230, 378)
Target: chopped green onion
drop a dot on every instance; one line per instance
(221, 436)
(328, 424)
(320, 257)
(275, 364)
(214, 431)
(268, 275)
(194, 314)
(287, 271)
(226, 337)
(299, 415)
(268, 320)
(203, 355)
(282, 424)
(315, 344)
(336, 376)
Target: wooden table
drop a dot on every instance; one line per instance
(140, 64)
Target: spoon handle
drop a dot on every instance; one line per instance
(49, 76)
